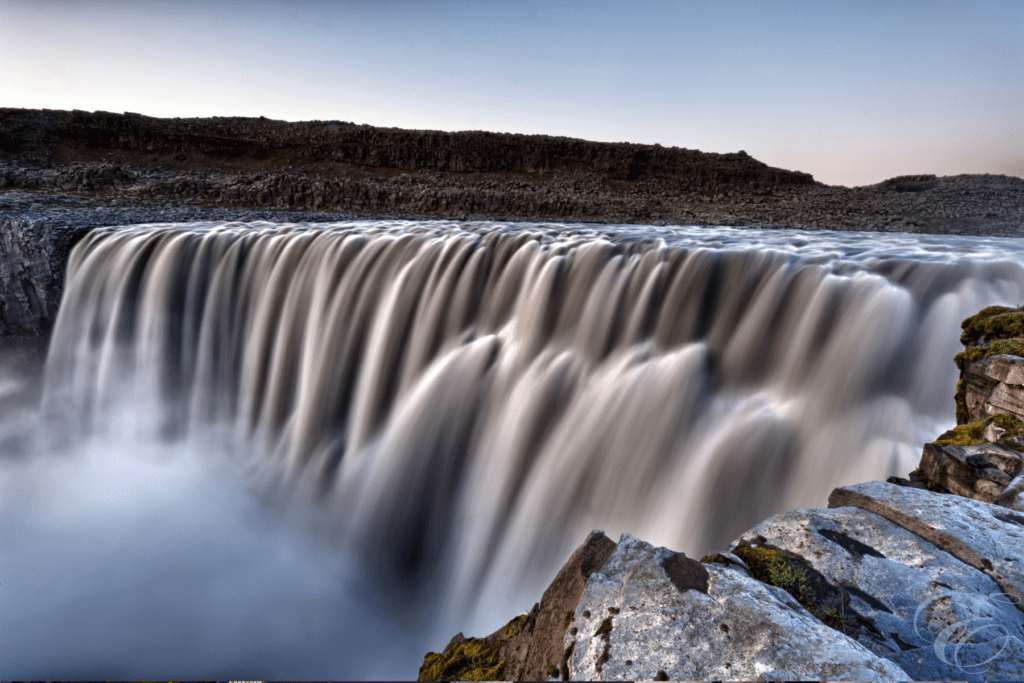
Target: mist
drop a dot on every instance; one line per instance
(128, 558)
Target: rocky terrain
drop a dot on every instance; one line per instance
(62, 173)
(918, 578)
(55, 157)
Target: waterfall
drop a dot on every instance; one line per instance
(461, 403)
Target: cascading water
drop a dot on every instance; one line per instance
(461, 404)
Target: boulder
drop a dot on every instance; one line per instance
(902, 597)
(988, 537)
(654, 614)
(979, 471)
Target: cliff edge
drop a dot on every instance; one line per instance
(919, 578)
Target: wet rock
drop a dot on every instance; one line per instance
(653, 614)
(32, 263)
(904, 598)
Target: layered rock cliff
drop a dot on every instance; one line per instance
(246, 163)
(26, 131)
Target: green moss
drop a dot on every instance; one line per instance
(975, 353)
(971, 433)
(783, 570)
(604, 628)
(775, 568)
(569, 616)
(1012, 425)
(516, 626)
(993, 322)
(965, 435)
(605, 655)
(963, 416)
(1008, 347)
(552, 669)
(473, 660)
(708, 559)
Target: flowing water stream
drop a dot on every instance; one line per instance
(319, 451)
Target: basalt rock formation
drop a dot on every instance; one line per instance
(32, 262)
(248, 141)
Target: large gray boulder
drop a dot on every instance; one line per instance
(988, 537)
(654, 614)
(902, 597)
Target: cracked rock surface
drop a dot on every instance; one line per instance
(903, 594)
(653, 614)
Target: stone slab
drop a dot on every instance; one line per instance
(653, 614)
(988, 537)
(904, 598)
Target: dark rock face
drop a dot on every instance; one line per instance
(338, 166)
(32, 263)
(26, 131)
(530, 647)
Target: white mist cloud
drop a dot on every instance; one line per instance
(124, 560)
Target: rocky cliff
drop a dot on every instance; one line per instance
(258, 164)
(32, 262)
(254, 141)
(911, 579)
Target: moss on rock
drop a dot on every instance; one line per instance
(472, 660)
(973, 432)
(995, 330)
(775, 568)
(992, 323)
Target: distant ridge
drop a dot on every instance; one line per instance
(341, 169)
(259, 144)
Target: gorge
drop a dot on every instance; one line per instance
(304, 400)
(443, 410)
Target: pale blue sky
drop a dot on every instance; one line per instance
(852, 92)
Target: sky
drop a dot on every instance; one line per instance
(851, 92)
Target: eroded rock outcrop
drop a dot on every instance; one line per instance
(897, 590)
(888, 583)
(26, 131)
(530, 646)
(33, 257)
